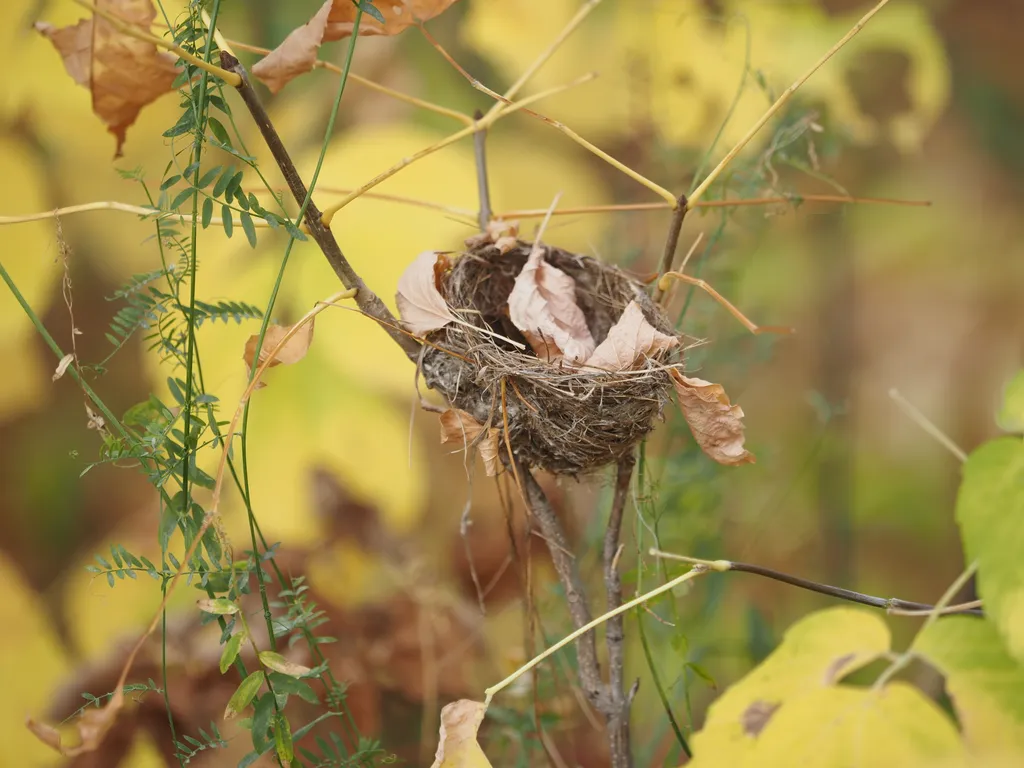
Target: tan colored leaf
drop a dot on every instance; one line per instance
(629, 341)
(504, 235)
(460, 427)
(62, 366)
(398, 14)
(543, 306)
(92, 726)
(420, 303)
(296, 55)
(124, 74)
(715, 423)
(292, 352)
(458, 747)
(279, 663)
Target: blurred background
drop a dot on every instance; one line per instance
(926, 104)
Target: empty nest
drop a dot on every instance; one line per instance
(564, 420)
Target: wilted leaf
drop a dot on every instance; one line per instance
(219, 606)
(715, 423)
(990, 511)
(397, 16)
(984, 682)
(230, 652)
(291, 352)
(503, 235)
(543, 306)
(92, 726)
(420, 303)
(244, 694)
(629, 341)
(124, 74)
(62, 366)
(297, 54)
(460, 427)
(458, 747)
(279, 663)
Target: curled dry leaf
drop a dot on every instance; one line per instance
(543, 306)
(629, 341)
(297, 54)
(419, 299)
(504, 235)
(62, 366)
(459, 427)
(122, 73)
(716, 424)
(458, 747)
(92, 726)
(291, 352)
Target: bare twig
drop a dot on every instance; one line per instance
(671, 243)
(890, 604)
(618, 720)
(483, 188)
(366, 299)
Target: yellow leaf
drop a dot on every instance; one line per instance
(279, 663)
(458, 747)
(815, 653)
(984, 681)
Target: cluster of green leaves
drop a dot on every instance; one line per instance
(796, 708)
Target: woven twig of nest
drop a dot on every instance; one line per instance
(561, 418)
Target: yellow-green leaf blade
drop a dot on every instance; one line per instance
(278, 663)
(990, 511)
(984, 681)
(1011, 414)
(244, 694)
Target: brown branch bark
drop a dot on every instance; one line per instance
(619, 701)
(366, 299)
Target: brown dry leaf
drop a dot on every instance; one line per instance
(715, 423)
(629, 341)
(460, 427)
(296, 55)
(124, 74)
(398, 14)
(420, 303)
(293, 350)
(92, 726)
(543, 306)
(504, 235)
(62, 366)
(458, 747)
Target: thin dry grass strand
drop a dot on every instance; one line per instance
(706, 287)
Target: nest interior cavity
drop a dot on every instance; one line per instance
(562, 419)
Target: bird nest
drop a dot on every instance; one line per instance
(562, 418)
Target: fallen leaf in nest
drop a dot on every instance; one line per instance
(503, 235)
(459, 427)
(92, 726)
(419, 299)
(397, 16)
(458, 747)
(715, 423)
(122, 73)
(629, 341)
(62, 366)
(543, 306)
(297, 54)
(293, 350)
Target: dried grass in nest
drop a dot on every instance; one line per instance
(563, 420)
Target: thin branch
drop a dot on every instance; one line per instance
(915, 415)
(483, 188)
(671, 244)
(366, 299)
(890, 604)
(786, 95)
(618, 721)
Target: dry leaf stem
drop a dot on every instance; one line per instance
(366, 299)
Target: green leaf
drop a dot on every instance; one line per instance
(170, 182)
(219, 130)
(222, 182)
(181, 197)
(244, 694)
(370, 9)
(261, 716)
(219, 606)
(1011, 415)
(283, 739)
(230, 652)
(990, 511)
(209, 176)
(278, 663)
(225, 215)
(985, 683)
(249, 228)
(292, 687)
